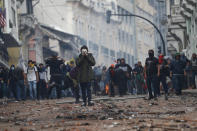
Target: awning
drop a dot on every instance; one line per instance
(10, 41)
(59, 35)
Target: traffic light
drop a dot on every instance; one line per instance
(159, 49)
(108, 14)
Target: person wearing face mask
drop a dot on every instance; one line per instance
(32, 78)
(85, 61)
(2, 85)
(151, 71)
(12, 81)
(177, 72)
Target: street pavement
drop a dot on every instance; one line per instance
(129, 113)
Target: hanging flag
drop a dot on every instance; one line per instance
(2, 18)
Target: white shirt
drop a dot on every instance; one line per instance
(31, 73)
(43, 76)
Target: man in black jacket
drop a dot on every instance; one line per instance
(12, 80)
(124, 72)
(151, 74)
(56, 77)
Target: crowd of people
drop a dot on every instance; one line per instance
(78, 78)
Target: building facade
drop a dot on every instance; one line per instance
(160, 20)
(189, 12)
(9, 40)
(144, 30)
(176, 37)
(182, 29)
(126, 31)
(86, 21)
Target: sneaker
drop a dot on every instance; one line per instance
(149, 98)
(90, 104)
(166, 97)
(77, 101)
(155, 98)
(84, 104)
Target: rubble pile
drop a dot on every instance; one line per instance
(178, 113)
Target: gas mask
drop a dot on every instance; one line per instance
(84, 51)
(151, 54)
(12, 68)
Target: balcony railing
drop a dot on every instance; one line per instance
(188, 7)
(192, 2)
(4, 55)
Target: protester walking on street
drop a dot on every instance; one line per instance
(21, 80)
(177, 73)
(2, 83)
(32, 79)
(56, 76)
(85, 61)
(151, 72)
(12, 80)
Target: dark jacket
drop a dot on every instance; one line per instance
(54, 64)
(85, 64)
(178, 67)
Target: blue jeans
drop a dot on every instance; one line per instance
(32, 89)
(177, 81)
(21, 89)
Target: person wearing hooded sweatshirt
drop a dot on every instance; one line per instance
(177, 72)
(12, 80)
(151, 71)
(85, 61)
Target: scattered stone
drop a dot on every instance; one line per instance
(110, 118)
(102, 118)
(17, 123)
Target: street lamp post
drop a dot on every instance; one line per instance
(109, 14)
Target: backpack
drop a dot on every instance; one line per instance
(74, 72)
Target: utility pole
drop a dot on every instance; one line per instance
(109, 14)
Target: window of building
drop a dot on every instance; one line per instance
(112, 53)
(13, 17)
(104, 50)
(29, 7)
(172, 2)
